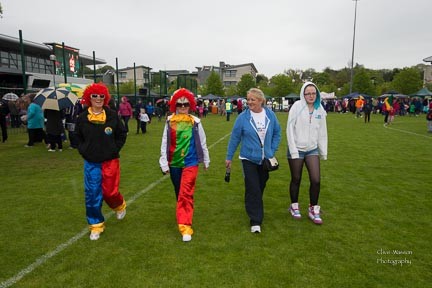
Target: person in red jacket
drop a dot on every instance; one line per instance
(101, 135)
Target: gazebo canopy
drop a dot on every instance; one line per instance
(422, 93)
(356, 95)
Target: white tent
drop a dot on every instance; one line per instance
(328, 96)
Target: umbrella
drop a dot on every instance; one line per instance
(396, 95)
(160, 100)
(210, 97)
(10, 97)
(392, 92)
(55, 99)
(77, 89)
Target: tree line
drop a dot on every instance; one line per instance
(372, 82)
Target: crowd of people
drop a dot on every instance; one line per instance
(402, 106)
(98, 129)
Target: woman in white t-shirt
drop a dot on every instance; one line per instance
(258, 130)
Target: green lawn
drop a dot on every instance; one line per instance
(375, 196)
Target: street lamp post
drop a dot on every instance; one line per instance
(53, 58)
(352, 55)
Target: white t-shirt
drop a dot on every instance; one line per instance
(259, 119)
(144, 117)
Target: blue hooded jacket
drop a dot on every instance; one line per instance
(244, 131)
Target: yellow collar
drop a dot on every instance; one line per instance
(182, 118)
(99, 118)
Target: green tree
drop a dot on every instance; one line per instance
(408, 81)
(281, 85)
(87, 70)
(384, 87)
(1, 11)
(342, 77)
(127, 88)
(328, 88)
(362, 82)
(214, 85)
(261, 78)
(308, 74)
(202, 90)
(247, 81)
(321, 78)
(231, 90)
(104, 69)
(172, 87)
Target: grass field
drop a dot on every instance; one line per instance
(375, 196)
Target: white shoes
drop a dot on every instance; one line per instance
(187, 238)
(256, 229)
(94, 235)
(314, 214)
(121, 214)
(294, 209)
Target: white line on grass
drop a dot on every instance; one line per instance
(409, 132)
(41, 260)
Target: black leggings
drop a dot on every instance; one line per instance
(296, 168)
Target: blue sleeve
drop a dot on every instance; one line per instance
(234, 139)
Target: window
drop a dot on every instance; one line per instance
(122, 75)
(4, 58)
(40, 83)
(230, 73)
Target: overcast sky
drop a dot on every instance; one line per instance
(273, 34)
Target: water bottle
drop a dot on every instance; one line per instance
(227, 175)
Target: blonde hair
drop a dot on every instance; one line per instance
(257, 93)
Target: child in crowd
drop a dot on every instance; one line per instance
(144, 119)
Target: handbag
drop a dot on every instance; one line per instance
(270, 164)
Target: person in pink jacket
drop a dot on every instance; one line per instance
(125, 111)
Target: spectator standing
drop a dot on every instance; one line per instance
(144, 119)
(4, 111)
(429, 119)
(228, 109)
(138, 107)
(239, 106)
(359, 106)
(367, 109)
(71, 118)
(125, 111)
(35, 123)
(14, 114)
(54, 129)
(150, 110)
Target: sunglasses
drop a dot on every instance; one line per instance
(181, 105)
(94, 96)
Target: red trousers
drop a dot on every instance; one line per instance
(185, 201)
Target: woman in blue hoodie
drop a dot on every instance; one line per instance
(258, 129)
